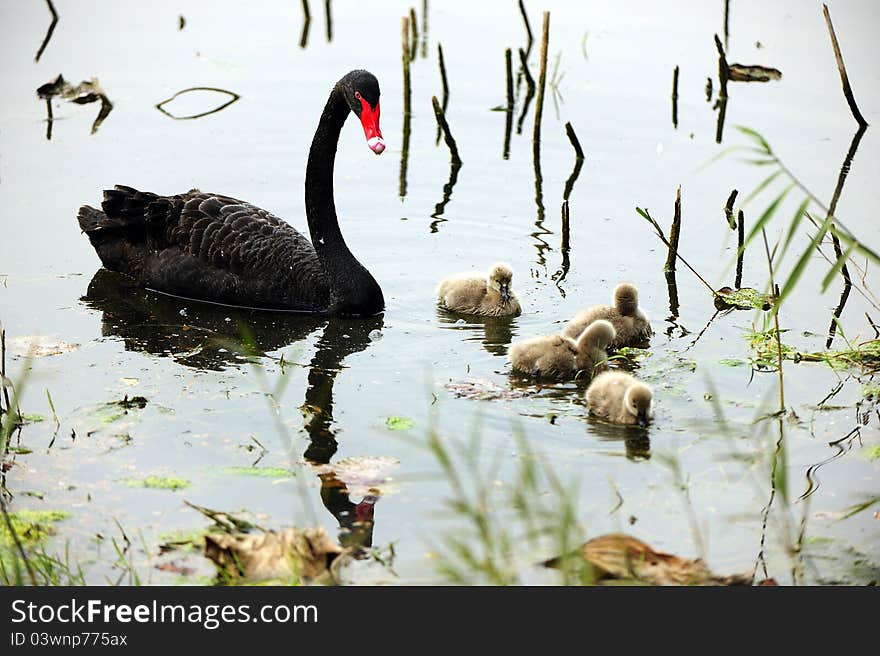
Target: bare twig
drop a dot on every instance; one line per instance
(740, 239)
(307, 22)
(728, 209)
(578, 162)
(674, 233)
(414, 28)
(530, 89)
(444, 127)
(443, 83)
(675, 97)
(572, 137)
(328, 16)
(844, 79)
(49, 31)
(522, 10)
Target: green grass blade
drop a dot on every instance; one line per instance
(756, 137)
(766, 216)
(792, 229)
(761, 186)
(861, 248)
(801, 265)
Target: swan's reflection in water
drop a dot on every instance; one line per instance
(494, 333)
(205, 336)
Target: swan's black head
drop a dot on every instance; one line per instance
(361, 91)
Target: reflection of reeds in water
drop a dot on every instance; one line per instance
(424, 29)
(445, 86)
(541, 245)
(565, 249)
(740, 250)
(494, 333)
(530, 89)
(832, 208)
(49, 31)
(455, 163)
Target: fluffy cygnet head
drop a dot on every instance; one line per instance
(597, 335)
(626, 299)
(639, 403)
(500, 277)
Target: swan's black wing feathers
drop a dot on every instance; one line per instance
(220, 246)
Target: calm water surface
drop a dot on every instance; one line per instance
(341, 381)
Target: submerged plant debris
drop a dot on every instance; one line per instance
(87, 91)
(30, 526)
(863, 355)
(753, 73)
(621, 557)
(259, 472)
(744, 298)
(290, 556)
(158, 483)
(486, 390)
(40, 346)
(366, 475)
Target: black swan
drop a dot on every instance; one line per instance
(218, 249)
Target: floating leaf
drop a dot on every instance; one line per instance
(399, 423)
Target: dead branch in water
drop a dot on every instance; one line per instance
(444, 84)
(844, 78)
(674, 233)
(675, 97)
(444, 127)
(530, 89)
(522, 10)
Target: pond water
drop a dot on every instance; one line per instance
(345, 393)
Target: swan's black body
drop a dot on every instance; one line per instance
(219, 249)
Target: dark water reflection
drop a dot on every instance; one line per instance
(208, 337)
(494, 333)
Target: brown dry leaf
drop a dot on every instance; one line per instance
(307, 555)
(174, 568)
(621, 556)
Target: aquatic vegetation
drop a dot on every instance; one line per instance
(864, 356)
(259, 472)
(158, 483)
(30, 526)
(399, 423)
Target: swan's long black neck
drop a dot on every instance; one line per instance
(353, 290)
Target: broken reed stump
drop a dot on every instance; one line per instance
(572, 137)
(307, 21)
(530, 89)
(414, 29)
(673, 233)
(49, 119)
(723, 69)
(329, 17)
(49, 31)
(708, 89)
(841, 68)
(566, 244)
(728, 209)
(444, 127)
(3, 378)
(404, 43)
(542, 82)
(726, 20)
(444, 83)
(508, 119)
(522, 10)
(675, 97)
(740, 250)
(424, 29)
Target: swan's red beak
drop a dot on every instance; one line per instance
(370, 121)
